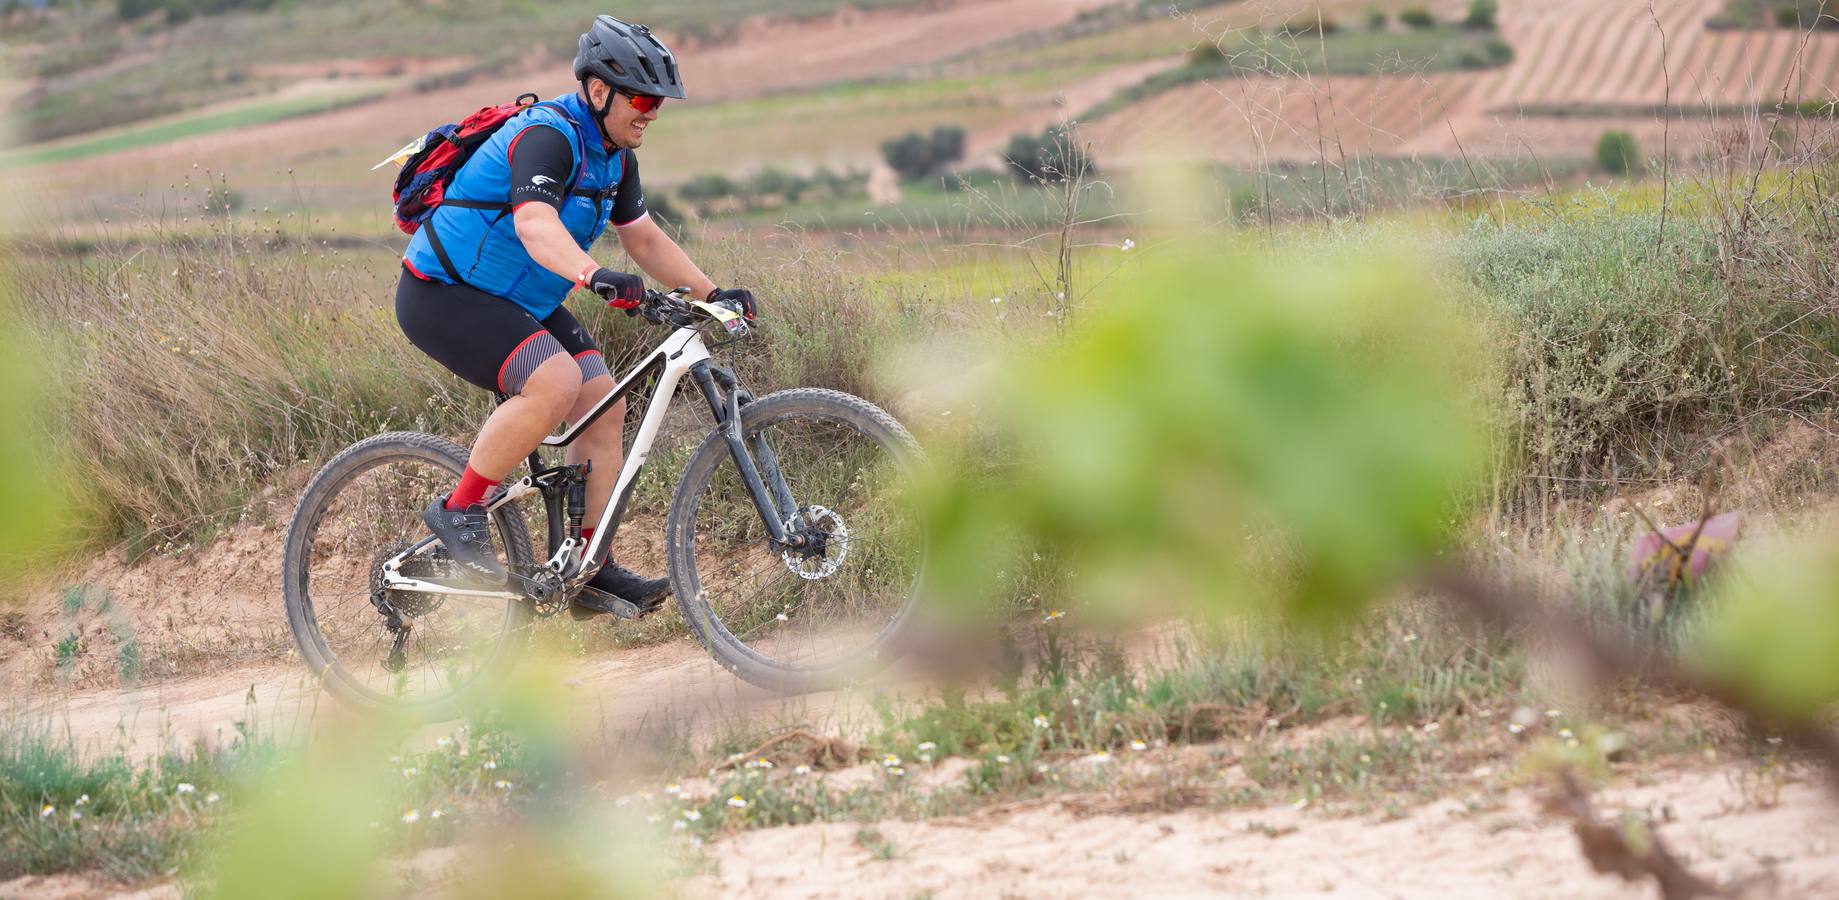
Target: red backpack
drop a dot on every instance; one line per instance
(430, 161)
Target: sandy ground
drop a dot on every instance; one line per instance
(610, 695)
(1722, 830)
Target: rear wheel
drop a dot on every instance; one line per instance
(824, 615)
(358, 512)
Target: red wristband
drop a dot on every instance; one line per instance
(581, 279)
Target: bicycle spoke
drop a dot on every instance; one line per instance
(374, 514)
(820, 607)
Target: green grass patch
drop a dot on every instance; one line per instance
(191, 126)
(1282, 53)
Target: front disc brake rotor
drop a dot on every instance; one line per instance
(827, 543)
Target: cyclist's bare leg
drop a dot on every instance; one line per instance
(602, 443)
(519, 424)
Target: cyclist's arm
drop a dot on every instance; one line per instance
(662, 259)
(541, 161)
(645, 242)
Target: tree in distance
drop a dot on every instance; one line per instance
(1616, 152)
(915, 155)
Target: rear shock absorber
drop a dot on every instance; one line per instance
(577, 498)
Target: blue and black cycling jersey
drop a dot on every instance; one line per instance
(472, 239)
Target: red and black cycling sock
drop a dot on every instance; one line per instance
(587, 537)
(471, 490)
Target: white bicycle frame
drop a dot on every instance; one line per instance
(680, 351)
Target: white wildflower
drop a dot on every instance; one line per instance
(411, 817)
(737, 802)
(184, 787)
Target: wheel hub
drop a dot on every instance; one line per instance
(825, 546)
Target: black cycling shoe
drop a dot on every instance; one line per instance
(619, 591)
(467, 535)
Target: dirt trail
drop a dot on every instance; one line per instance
(674, 684)
(1455, 848)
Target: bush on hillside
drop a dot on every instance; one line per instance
(915, 155)
(1616, 153)
(1050, 157)
(775, 182)
(1418, 17)
(1309, 24)
(178, 11)
(1208, 55)
(1376, 19)
(222, 201)
(1482, 15)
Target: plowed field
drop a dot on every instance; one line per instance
(1580, 68)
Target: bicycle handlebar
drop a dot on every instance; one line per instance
(670, 308)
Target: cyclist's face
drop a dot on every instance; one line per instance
(625, 125)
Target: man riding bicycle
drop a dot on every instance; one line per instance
(484, 279)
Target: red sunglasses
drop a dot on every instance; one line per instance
(644, 103)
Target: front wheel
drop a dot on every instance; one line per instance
(824, 615)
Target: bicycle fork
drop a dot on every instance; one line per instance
(758, 466)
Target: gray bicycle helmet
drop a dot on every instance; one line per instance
(628, 58)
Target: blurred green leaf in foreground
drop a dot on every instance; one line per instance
(29, 489)
(1230, 434)
(1773, 629)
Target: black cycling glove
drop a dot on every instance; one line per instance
(739, 295)
(620, 289)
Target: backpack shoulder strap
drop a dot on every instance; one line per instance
(574, 175)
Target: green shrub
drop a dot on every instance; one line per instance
(1418, 17)
(1499, 51)
(1616, 153)
(1049, 157)
(915, 155)
(1207, 55)
(222, 201)
(1482, 15)
(1309, 24)
(1376, 19)
(773, 181)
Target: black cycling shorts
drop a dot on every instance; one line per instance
(487, 339)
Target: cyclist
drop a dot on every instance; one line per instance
(484, 279)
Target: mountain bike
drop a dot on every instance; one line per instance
(791, 544)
